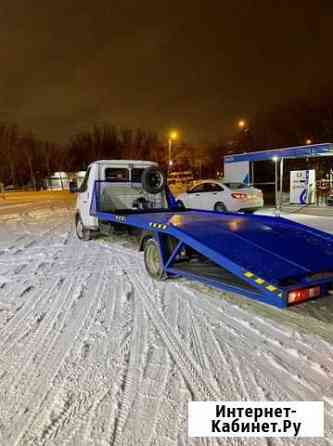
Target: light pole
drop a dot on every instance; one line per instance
(242, 140)
(281, 185)
(172, 137)
(276, 159)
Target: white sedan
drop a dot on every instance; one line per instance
(222, 197)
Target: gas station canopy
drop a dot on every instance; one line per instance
(313, 150)
(239, 167)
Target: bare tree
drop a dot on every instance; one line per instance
(29, 146)
(10, 137)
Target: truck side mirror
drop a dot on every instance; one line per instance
(73, 187)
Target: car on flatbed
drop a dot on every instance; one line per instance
(222, 197)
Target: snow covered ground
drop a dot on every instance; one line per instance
(93, 352)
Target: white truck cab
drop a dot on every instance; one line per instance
(120, 188)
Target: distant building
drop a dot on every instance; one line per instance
(58, 181)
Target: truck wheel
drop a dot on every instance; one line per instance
(152, 258)
(220, 207)
(153, 180)
(82, 232)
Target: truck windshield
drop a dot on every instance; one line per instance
(122, 175)
(122, 192)
(136, 175)
(117, 175)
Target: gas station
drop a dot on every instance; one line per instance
(306, 188)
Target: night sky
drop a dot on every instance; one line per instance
(197, 66)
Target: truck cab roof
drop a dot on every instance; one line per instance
(125, 163)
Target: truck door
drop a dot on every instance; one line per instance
(84, 199)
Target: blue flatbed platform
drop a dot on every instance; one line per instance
(262, 257)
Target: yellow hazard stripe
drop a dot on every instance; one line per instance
(260, 281)
(248, 274)
(158, 225)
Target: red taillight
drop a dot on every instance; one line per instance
(304, 294)
(239, 196)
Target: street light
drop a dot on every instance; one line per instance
(308, 141)
(241, 123)
(276, 159)
(173, 136)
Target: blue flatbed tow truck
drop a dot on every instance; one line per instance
(269, 259)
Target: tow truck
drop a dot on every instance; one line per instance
(266, 258)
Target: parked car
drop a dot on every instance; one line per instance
(222, 197)
(9, 188)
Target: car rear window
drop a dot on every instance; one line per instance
(213, 187)
(197, 189)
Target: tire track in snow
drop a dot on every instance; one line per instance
(40, 333)
(37, 303)
(136, 363)
(86, 401)
(114, 348)
(97, 386)
(187, 365)
(238, 326)
(14, 326)
(150, 291)
(168, 412)
(264, 340)
(283, 384)
(299, 370)
(31, 363)
(85, 428)
(218, 356)
(28, 240)
(117, 350)
(53, 358)
(158, 390)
